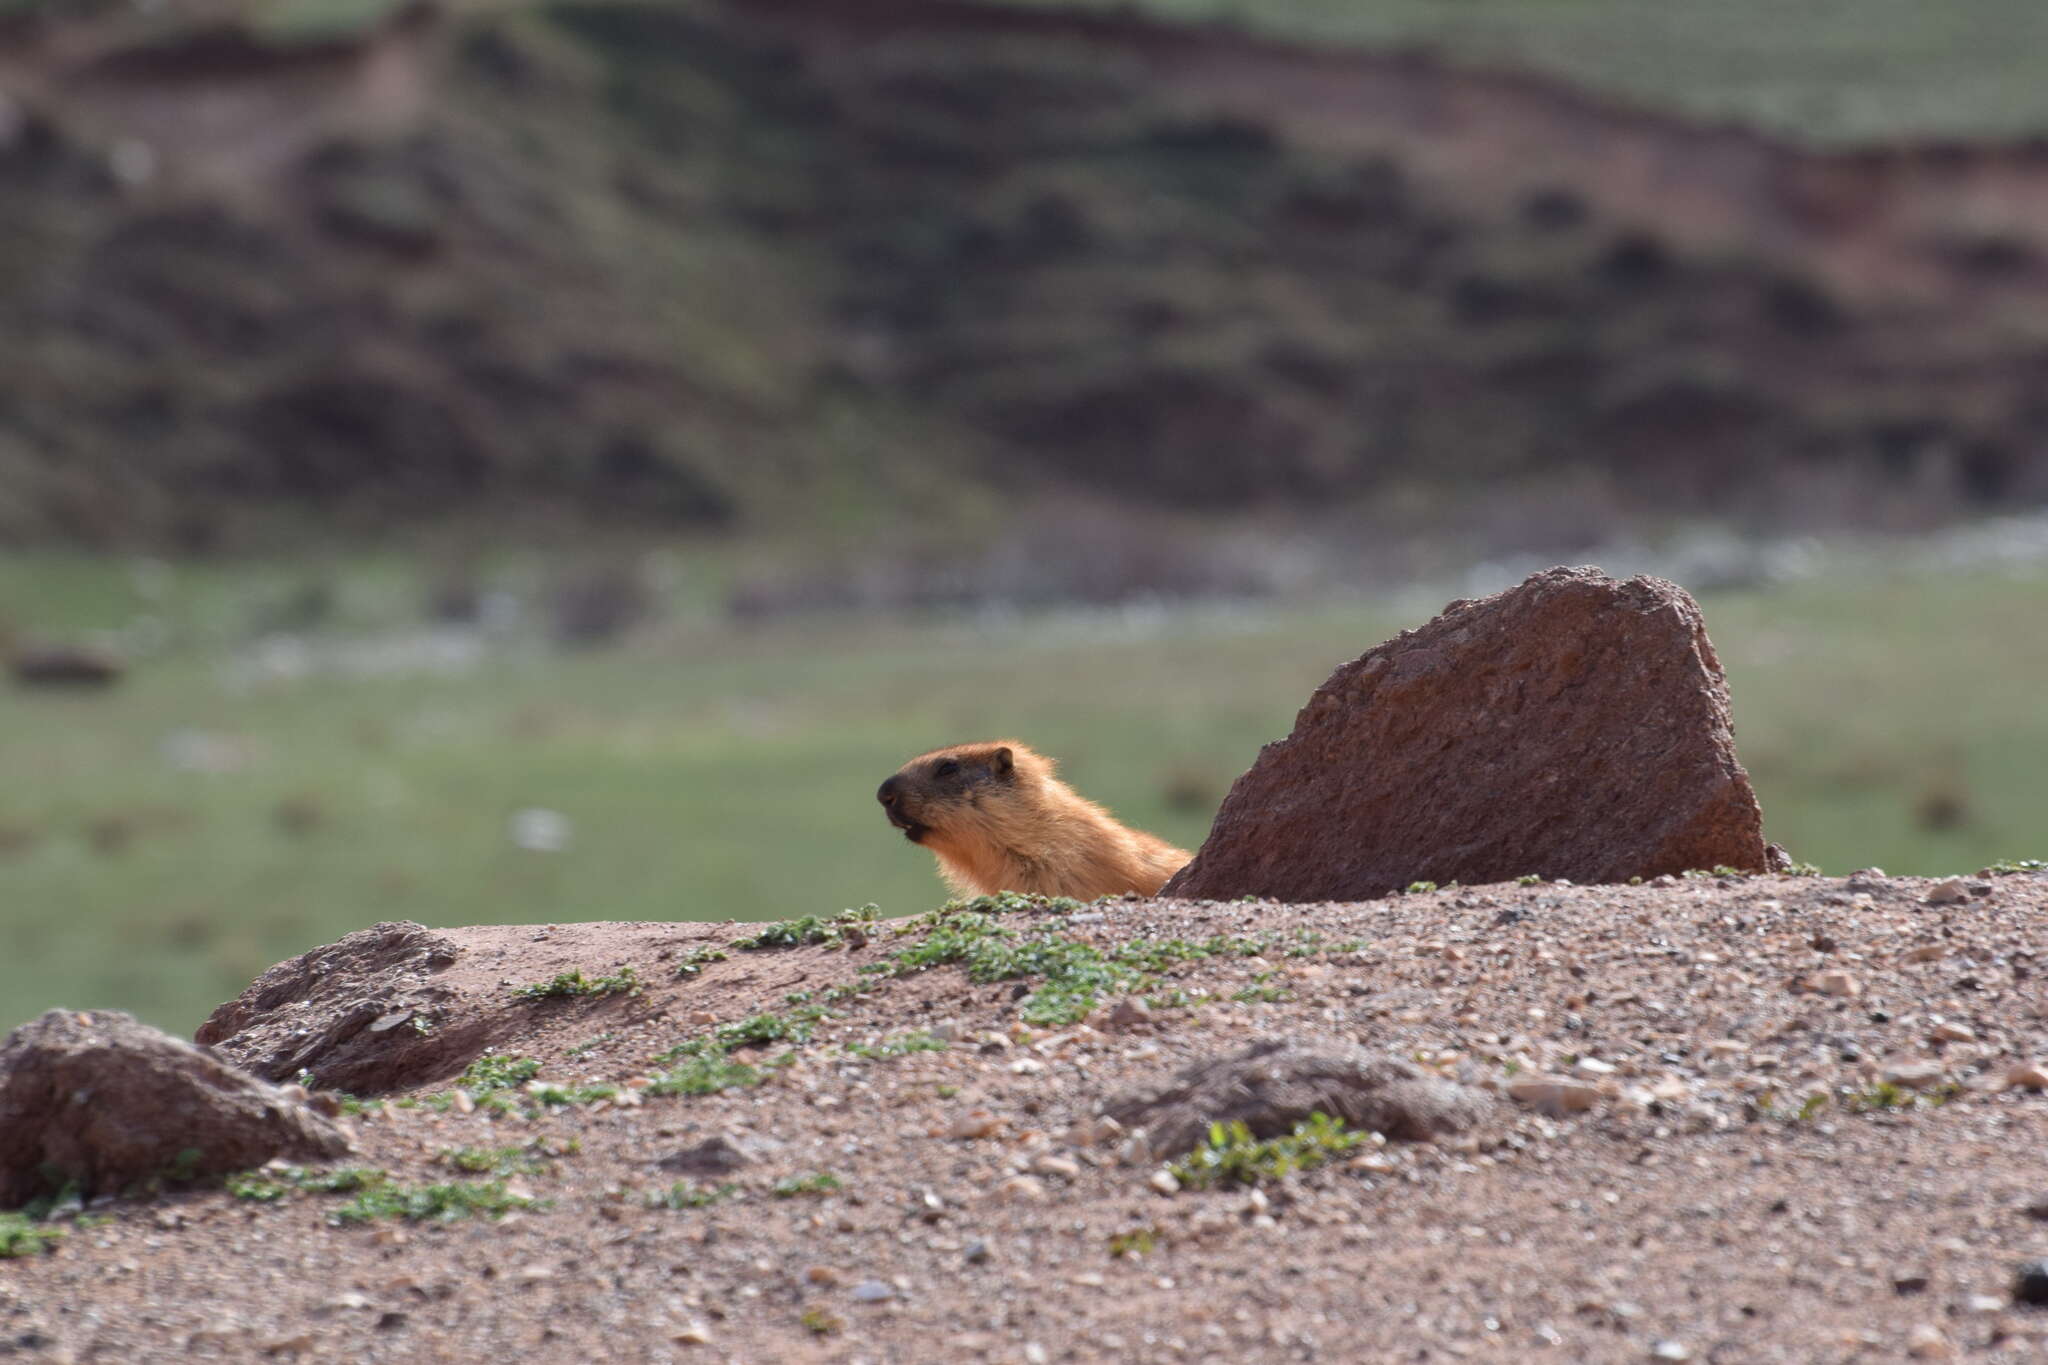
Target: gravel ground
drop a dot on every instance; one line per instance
(1740, 1119)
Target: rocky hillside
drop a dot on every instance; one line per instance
(1739, 1118)
(704, 266)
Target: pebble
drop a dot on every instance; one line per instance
(1927, 1342)
(1554, 1095)
(1955, 1033)
(1163, 1181)
(822, 1274)
(1835, 983)
(1065, 1167)
(692, 1333)
(2028, 1076)
(1129, 1014)
(1022, 1189)
(2030, 1284)
(1913, 1073)
(975, 1123)
(1948, 891)
(873, 1291)
(1671, 1350)
(978, 1252)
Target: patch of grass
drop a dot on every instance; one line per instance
(269, 1184)
(1262, 993)
(795, 933)
(797, 1186)
(902, 1045)
(684, 1195)
(1419, 888)
(1887, 1096)
(1232, 1156)
(497, 1072)
(692, 962)
(2009, 866)
(22, 1236)
(573, 984)
(522, 1158)
(704, 1074)
(438, 1203)
(1528, 879)
(1135, 1242)
(820, 1322)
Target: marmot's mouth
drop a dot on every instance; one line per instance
(912, 830)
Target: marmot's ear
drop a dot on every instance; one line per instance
(1000, 761)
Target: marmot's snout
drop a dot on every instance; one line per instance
(891, 796)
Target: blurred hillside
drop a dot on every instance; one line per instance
(791, 266)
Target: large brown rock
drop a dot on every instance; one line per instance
(103, 1101)
(1273, 1085)
(362, 1014)
(1573, 726)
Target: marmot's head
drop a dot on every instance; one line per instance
(943, 791)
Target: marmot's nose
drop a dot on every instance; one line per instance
(887, 794)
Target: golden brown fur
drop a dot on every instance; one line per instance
(999, 820)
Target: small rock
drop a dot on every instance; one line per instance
(1164, 1181)
(1949, 891)
(2037, 1209)
(1955, 1033)
(2028, 1076)
(716, 1155)
(1022, 1189)
(977, 1253)
(1914, 1073)
(1126, 1014)
(2030, 1284)
(692, 1333)
(1927, 1342)
(823, 1275)
(873, 1291)
(975, 1123)
(1914, 1282)
(1671, 1350)
(1834, 983)
(1554, 1095)
(1052, 1164)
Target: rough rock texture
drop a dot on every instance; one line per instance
(107, 1102)
(1573, 726)
(1273, 1085)
(362, 1014)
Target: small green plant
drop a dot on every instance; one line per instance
(821, 1323)
(1136, 1242)
(1232, 1156)
(22, 1236)
(1263, 993)
(518, 1159)
(1887, 1095)
(796, 933)
(1418, 888)
(693, 961)
(1528, 879)
(817, 1183)
(584, 1048)
(2006, 867)
(902, 1045)
(440, 1203)
(570, 985)
(702, 1074)
(684, 1195)
(493, 1072)
(270, 1184)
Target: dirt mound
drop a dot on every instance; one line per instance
(1571, 727)
(399, 1005)
(104, 1103)
(889, 1151)
(1273, 1085)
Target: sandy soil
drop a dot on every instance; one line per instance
(1704, 1207)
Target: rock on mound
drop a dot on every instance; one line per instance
(1573, 726)
(107, 1102)
(1273, 1085)
(360, 1014)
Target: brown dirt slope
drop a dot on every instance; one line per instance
(1779, 1129)
(700, 263)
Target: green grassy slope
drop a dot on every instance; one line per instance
(708, 773)
(1833, 72)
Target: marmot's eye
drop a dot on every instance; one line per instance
(946, 768)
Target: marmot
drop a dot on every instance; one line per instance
(1000, 821)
